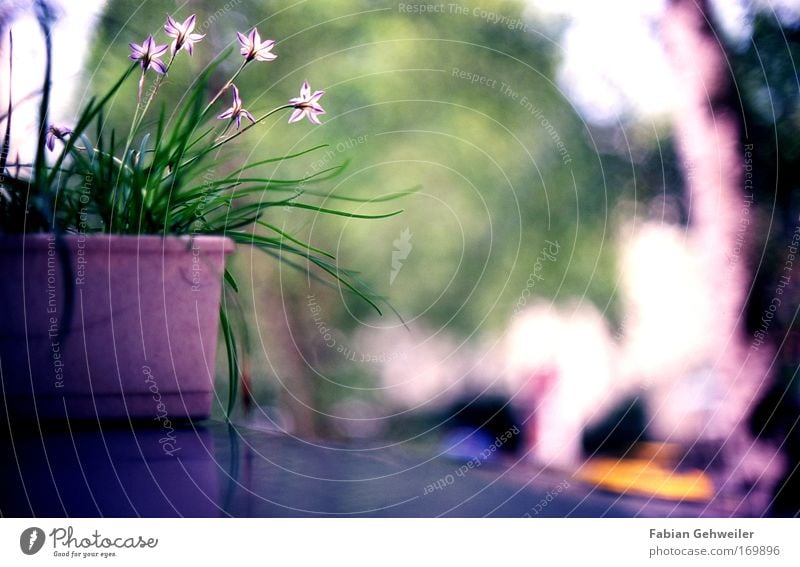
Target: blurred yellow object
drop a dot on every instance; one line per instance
(648, 473)
(662, 453)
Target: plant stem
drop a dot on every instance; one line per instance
(246, 128)
(138, 116)
(7, 136)
(139, 96)
(236, 134)
(224, 88)
(156, 86)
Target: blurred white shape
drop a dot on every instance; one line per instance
(72, 39)
(667, 303)
(419, 369)
(735, 19)
(788, 11)
(561, 366)
(613, 63)
(674, 343)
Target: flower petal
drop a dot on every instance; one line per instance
(227, 114)
(296, 115)
(266, 56)
(158, 66)
(171, 27)
(243, 40)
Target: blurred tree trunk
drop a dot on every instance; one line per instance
(279, 346)
(709, 129)
(291, 343)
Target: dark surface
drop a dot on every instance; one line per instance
(219, 470)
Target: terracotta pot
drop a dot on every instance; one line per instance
(109, 326)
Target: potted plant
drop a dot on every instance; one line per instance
(114, 247)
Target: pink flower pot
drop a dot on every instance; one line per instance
(141, 341)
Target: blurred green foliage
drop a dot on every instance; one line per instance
(462, 104)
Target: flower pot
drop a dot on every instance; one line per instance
(109, 326)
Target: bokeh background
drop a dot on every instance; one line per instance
(547, 265)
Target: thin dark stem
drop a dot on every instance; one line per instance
(44, 23)
(232, 136)
(159, 80)
(246, 128)
(7, 137)
(224, 88)
(139, 96)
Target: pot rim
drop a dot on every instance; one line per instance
(148, 243)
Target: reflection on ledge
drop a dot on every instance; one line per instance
(215, 470)
(114, 472)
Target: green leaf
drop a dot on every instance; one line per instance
(231, 281)
(233, 359)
